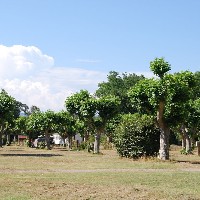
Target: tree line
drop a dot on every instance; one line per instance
(137, 114)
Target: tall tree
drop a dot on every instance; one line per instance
(163, 98)
(94, 112)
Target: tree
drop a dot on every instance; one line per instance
(163, 98)
(107, 109)
(93, 112)
(9, 110)
(66, 126)
(43, 122)
(82, 105)
(118, 85)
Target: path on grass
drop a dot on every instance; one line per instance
(100, 170)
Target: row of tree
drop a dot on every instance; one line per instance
(171, 101)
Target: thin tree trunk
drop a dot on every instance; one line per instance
(187, 140)
(70, 142)
(1, 143)
(47, 138)
(86, 136)
(8, 139)
(30, 140)
(183, 138)
(97, 143)
(183, 142)
(14, 140)
(1, 134)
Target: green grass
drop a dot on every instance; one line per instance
(57, 174)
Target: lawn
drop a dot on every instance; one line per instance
(27, 173)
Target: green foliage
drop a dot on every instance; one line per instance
(197, 88)
(174, 89)
(65, 124)
(179, 91)
(144, 96)
(159, 67)
(20, 126)
(8, 107)
(118, 85)
(183, 151)
(42, 122)
(81, 104)
(107, 107)
(105, 143)
(136, 136)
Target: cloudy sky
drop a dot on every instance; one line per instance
(50, 49)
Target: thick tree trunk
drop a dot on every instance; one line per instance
(164, 144)
(164, 133)
(188, 144)
(47, 138)
(97, 143)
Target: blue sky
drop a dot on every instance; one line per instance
(68, 45)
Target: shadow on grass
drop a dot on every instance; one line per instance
(188, 161)
(30, 155)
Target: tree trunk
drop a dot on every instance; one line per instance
(1, 134)
(164, 133)
(30, 140)
(186, 139)
(8, 139)
(183, 142)
(188, 144)
(70, 142)
(14, 140)
(86, 136)
(183, 138)
(47, 138)
(164, 144)
(1, 143)
(97, 143)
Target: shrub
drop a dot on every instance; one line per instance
(136, 136)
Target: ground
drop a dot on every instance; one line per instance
(27, 173)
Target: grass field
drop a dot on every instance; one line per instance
(27, 173)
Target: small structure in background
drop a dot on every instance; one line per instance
(22, 140)
(57, 139)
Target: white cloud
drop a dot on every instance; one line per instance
(31, 77)
(19, 61)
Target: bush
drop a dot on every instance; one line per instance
(136, 136)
